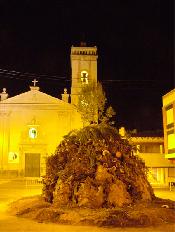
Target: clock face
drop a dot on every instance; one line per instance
(84, 77)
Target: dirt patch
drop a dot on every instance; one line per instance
(142, 214)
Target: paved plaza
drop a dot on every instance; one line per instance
(11, 190)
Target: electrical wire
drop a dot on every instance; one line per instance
(26, 76)
(12, 74)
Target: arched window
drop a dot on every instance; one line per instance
(32, 133)
(84, 77)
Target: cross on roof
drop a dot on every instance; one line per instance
(34, 82)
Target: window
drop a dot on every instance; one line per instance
(13, 157)
(169, 115)
(84, 77)
(149, 148)
(171, 141)
(152, 175)
(171, 172)
(32, 133)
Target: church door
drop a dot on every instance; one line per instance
(32, 164)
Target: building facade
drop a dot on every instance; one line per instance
(84, 69)
(33, 123)
(168, 110)
(150, 148)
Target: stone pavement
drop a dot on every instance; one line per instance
(12, 190)
(165, 194)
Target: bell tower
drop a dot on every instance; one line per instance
(84, 68)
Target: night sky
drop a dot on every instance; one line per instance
(135, 49)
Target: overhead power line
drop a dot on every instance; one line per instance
(136, 83)
(11, 74)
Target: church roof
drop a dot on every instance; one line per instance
(34, 96)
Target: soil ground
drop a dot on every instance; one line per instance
(142, 214)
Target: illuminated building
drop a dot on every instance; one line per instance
(150, 148)
(84, 68)
(168, 110)
(33, 123)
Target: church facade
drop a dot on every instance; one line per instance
(33, 123)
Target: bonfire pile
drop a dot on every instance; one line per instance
(94, 167)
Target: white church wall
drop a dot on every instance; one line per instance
(51, 125)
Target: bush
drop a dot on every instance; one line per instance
(93, 167)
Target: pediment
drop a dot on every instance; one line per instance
(33, 97)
